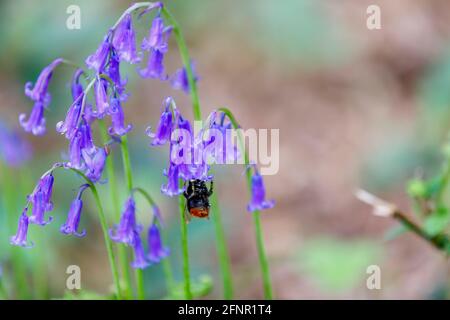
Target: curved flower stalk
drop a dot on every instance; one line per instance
(88, 159)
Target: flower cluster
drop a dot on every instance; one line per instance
(14, 150)
(128, 232)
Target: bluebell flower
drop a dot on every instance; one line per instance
(101, 98)
(164, 128)
(39, 209)
(36, 121)
(124, 231)
(180, 80)
(14, 150)
(75, 147)
(46, 187)
(20, 239)
(258, 200)
(114, 74)
(172, 188)
(98, 59)
(155, 247)
(70, 124)
(139, 261)
(76, 87)
(124, 41)
(39, 91)
(117, 118)
(95, 163)
(155, 66)
(158, 36)
(74, 215)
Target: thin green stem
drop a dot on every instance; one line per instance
(114, 194)
(264, 264)
(104, 225)
(18, 265)
(129, 182)
(185, 249)
(224, 260)
(186, 62)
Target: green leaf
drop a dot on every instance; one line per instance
(338, 265)
(199, 288)
(437, 222)
(416, 188)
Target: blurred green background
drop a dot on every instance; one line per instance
(355, 108)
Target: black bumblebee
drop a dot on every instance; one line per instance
(197, 201)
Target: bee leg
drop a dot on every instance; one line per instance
(211, 188)
(187, 216)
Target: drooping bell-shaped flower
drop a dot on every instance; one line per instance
(123, 232)
(98, 59)
(164, 128)
(69, 125)
(180, 80)
(139, 261)
(155, 247)
(95, 163)
(36, 121)
(124, 41)
(39, 209)
(74, 215)
(101, 98)
(172, 188)
(158, 36)
(117, 118)
(39, 91)
(20, 239)
(76, 87)
(258, 200)
(155, 66)
(114, 74)
(46, 187)
(75, 147)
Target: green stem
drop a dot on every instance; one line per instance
(185, 249)
(18, 265)
(104, 225)
(114, 193)
(129, 182)
(222, 250)
(186, 62)
(256, 215)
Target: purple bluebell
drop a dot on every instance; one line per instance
(95, 163)
(139, 261)
(117, 118)
(180, 80)
(75, 147)
(156, 250)
(124, 41)
(172, 188)
(39, 91)
(39, 209)
(98, 59)
(14, 150)
(258, 200)
(70, 124)
(46, 187)
(155, 66)
(164, 128)
(36, 121)
(158, 36)
(114, 74)
(20, 239)
(123, 232)
(74, 215)
(76, 87)
(101, 98)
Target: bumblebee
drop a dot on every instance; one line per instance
(197, 198)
